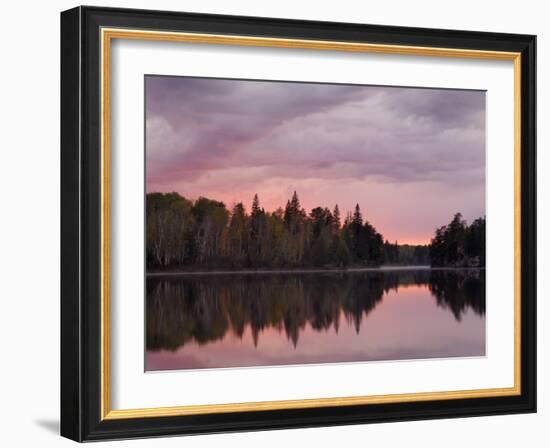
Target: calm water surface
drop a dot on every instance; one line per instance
(236, 320)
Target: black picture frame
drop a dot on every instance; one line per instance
(81, 224)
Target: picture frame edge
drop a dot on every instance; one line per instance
(80, 253)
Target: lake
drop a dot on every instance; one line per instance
(196, 321)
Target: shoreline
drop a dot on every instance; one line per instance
(311, 271)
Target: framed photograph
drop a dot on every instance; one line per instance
(274, 223)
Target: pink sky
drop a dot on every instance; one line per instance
(410, 157)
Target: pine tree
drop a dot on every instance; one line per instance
(295, 202)
(458, 244)
(357, 219)
(294, 215)
(336, 220)
(359, 236)
(237, 233)
(254, 244)
(255, 205)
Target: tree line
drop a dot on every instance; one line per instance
(205, 234)
(459, 244)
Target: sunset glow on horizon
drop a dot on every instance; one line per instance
(410, 157)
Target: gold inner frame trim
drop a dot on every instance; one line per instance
(107, 35)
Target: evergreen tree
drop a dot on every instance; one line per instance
(238, 230)
(294, 215)
(255, 205)
(359, 244)
(336, 220)
(457, 244)
(475, 241)
(357, 219)
(258, 233)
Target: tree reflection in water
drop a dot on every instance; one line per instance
(204, 308)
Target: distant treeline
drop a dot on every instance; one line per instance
(459, 244)
(406, 254)
(204, 234)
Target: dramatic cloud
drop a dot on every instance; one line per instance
(411, 157)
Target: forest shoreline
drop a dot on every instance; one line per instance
(204, 235)
(310, 271)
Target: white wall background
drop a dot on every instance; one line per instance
(29, 224)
